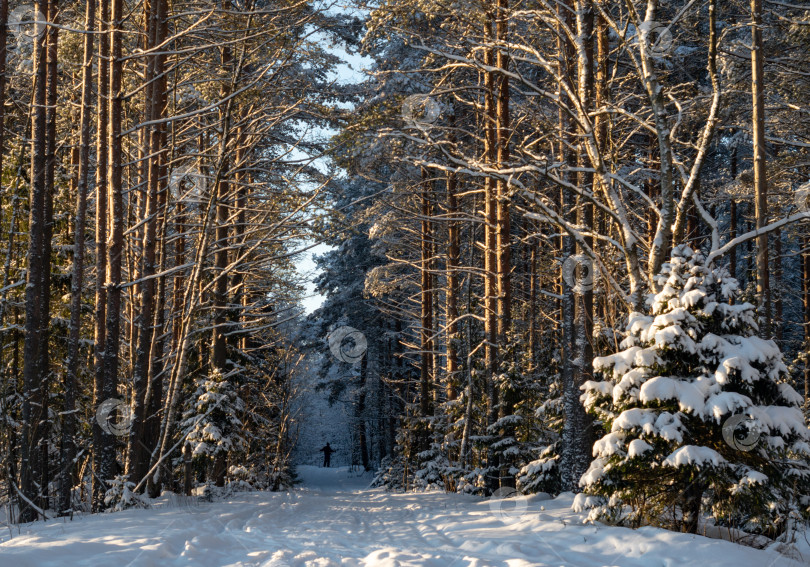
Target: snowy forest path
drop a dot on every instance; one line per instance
(333, 519)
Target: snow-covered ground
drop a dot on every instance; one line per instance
(332, 519)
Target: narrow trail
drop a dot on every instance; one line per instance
(333, 519)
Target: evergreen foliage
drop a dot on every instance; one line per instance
(685, 370)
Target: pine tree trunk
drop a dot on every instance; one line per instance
(240, 299)
(140, 317)
(9, 474)
(806, 316)
(426, 339)
(732, 262)
(154, 99)
(360, 413)
(760, 174)
(219, 352)
(533, 308)
(179, 278)
(51, 40)
(219, 345)
(116, 238)
(777, 277)
(154, 393)
(187, 486)
(31, 465)
(503, 224)
(77, 281)
(491, 361)
(692, 498)
(572, 408)
(100, 331)
(451, 303)
(503, 227)
(601, 99)
(581, 440)
(3, 81)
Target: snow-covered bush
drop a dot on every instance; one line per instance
(391, 474)
(238, 472)
(119, 496)
(685, 369)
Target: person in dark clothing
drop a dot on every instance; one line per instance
(327, 455)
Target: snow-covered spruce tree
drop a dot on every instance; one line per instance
(542, 473)
(686, 368)
(434, 467)
(212, 421)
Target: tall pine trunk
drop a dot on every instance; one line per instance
(51, 41)
(503, 227)
(154, 104)
(760, 172)
(107, 469)
(31, 465)
(491, 351)
(100, 331)
(77, 281)
(453, 338)
(805, 257)
(154, 395)
(426, 325)
(572, 426)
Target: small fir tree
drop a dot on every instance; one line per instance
(212, 421)
(691, 367)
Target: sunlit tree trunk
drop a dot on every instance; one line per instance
(491, 360)
(115, 245)
(426, 323)
(451, 304)
(77, 281)
(503, 226)
(100, 457)
(155, 107)
(760, 172)
(154, 395)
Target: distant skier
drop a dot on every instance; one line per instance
(327, 455)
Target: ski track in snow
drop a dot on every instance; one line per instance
(332, 519)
